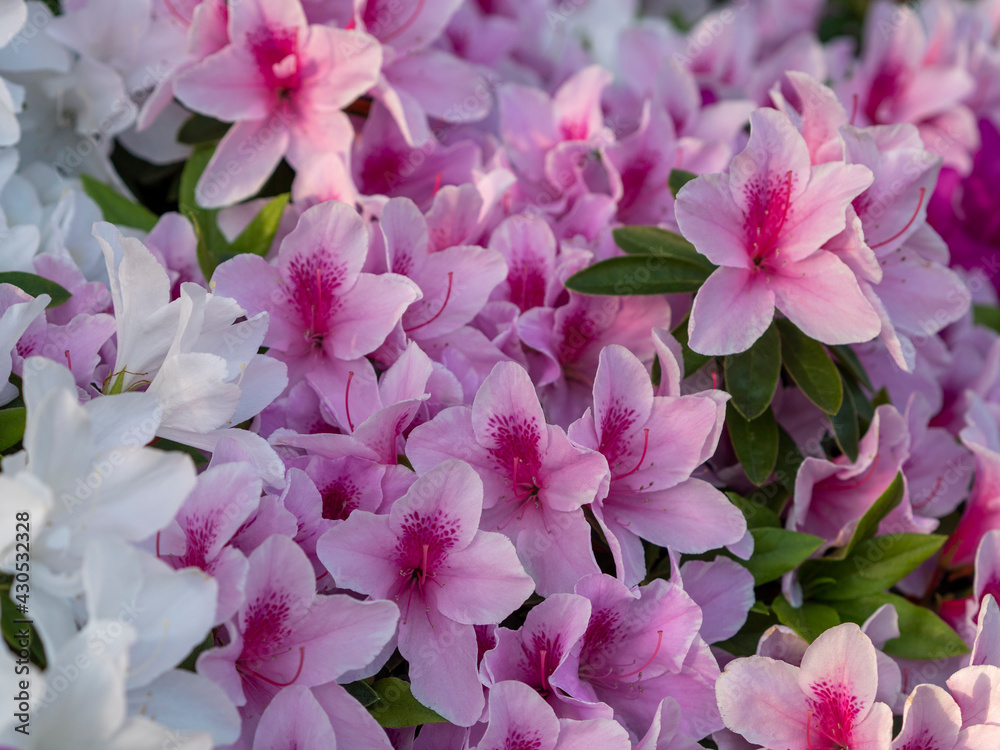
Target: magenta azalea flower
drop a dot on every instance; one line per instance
(429, 556)
(763, 223)
(535, 479)
(283, 82)
(826, 703)
(321, 305)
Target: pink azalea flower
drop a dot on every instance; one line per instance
(454, 577)
(932, 719)
(283, 82)
(321, 305)
(653, 444)
(536, 479)
(223, 498)
(285, 634)
(763, 223)
(828, 702)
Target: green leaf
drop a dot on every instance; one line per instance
(922, 634)
(35, 285)
(12, 423)
(212, 243)
(752, 376)
(862, 404)
(190, 662)
(396, 707)
(197, 456)
(876, 565)
(869, 522)
(656, 241)
(12, 630)
(810, 367)
(633, 275)
(362, 692)
(679, 178)
(810, 620)
(789, 460)
(755, 442)
(259, 233)
(202, 129)
(881, 398)
(117, 208)
(845, 426)
(693, 361)
(757, 515)
(777, 551)
(849, 359)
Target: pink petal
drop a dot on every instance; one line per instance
(359, 554)
(368, 313)
(445, 86)
(760, 699)
(710, 219)
(929, 716)
(840, 668)
(517, 712)
(250, 16)
(225, 85)
(506, 411)
(623, 398)
(244, 159)
(975, 689)
(723, 589)
(731, 311)
(484, 582)
(293, 719)
(822, 297)
(775, 148)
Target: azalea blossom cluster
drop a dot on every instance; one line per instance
(362, 461)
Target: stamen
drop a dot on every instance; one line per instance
(176, 13)
(854, 108)
(913, 218)
(347, 405)
(645, 447)
(406, 24)
(437, 183)
(516, 494)
(69, 360)
(541, 670)
(158, 543)
(447, 296)
(715, 380)
(659, 642)
(809, 721)
(422, 574)
(302, 661)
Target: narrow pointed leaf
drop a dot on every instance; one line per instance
(259, 233)
(212, 243)
(876, 565)
(633, 275)
(117, 208)
(849, 359)
(679, 178)
(656, 241)
(809, 620)
(845, 426)
(755, 442)
(12, 423)
(752, 376)
(810, 367)
(777, 551)
(202, 129)
(34, 285)
(789, 460)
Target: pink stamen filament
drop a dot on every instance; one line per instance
(406, 24)
(437, 183)
(447, 296)
(158, 543)
(302, 661)
(176, 13)
(516, 494)
(541, 670)
(715, 380)
(913, 218)
(854, 107)
(659, 642)
(69, 361)
(645, 447)
(347, 405)
(865, 478)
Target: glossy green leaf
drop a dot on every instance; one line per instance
(849, 360)
(868, 524)
(693, 361)
(789, 460)
(875, 565)
(633, 275)
(212, 243)
(810, 367)
(809, 621)
(396, 707)
(259, 233)
(117, 208)
(34, 285)
(656, 241)
(679, 178)
(755, 442)
(845, 426)
(757, 515)
(752, 376)
(777, 551)
(12, 423)
(362, 692)
(922, 634)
